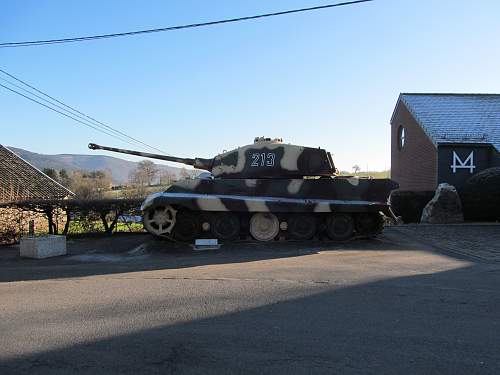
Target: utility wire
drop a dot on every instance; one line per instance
(77, 113)
(45, 100)
(64, 114)
(171, 28)
(71, 114)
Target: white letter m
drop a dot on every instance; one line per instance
(459, 164)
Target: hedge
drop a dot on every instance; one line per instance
(481, 196)
(410, 204)
(87, 216)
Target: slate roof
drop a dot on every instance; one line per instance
(19, 180)
(456, 118)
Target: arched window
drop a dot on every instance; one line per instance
(401, 137)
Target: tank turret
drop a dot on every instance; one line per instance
(265, 158)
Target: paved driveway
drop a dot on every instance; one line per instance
(401, 304)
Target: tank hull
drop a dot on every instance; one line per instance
(247, 203)
(306, 203)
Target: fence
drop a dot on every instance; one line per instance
(69, 217)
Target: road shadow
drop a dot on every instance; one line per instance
(438, 323)
(139, 252)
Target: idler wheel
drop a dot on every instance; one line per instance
(302, 226)
(264, 226)
(187, 227)
(339, 227)
(226, 226)
(160, 220)
(369, 224)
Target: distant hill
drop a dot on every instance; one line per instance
(119, 168)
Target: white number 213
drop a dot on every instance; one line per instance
(263, 159)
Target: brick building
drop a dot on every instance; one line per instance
(439, 138)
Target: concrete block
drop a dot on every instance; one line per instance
(206, 244)
(43, 246)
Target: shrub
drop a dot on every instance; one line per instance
(481, 196)
(409, 204)
(68, 216)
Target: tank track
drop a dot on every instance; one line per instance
(186, 226)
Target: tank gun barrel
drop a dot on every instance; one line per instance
(196, 162)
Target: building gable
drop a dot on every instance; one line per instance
(456, 118)
(19, 180)
(463, 130)
(414, 164)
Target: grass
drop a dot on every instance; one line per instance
(373, 174)
(96, 226)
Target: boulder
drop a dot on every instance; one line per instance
(444, 208)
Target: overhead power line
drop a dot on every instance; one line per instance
(74, 112)
(172, 28)
(65, 112)
(62, 113)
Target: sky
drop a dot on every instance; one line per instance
(327, 78)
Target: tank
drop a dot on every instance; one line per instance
(266, 190)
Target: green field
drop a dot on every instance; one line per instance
(374, 174)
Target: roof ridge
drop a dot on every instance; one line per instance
(448, 94)
(36, 170)
(454, 118)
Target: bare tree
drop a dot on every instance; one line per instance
(356, 168)
(52, 173)
(166, 177)
(140, 178)
(148, 170)
(138, 182)
(184, 174)
(137, 177)
(193, 173)
(90, 185)
(64, 178)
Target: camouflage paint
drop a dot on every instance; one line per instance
(269, 176)
(265, 158)
(286, 195)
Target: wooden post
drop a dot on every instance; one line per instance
(31, 228)
(68, 219)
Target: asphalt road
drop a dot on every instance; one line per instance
(126, 305)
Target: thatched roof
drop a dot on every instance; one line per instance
(19, 180)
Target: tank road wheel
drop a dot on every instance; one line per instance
(264, 226)
(339, 227)
(302, 226)
(160, 220)
(187, 227)
(226, 226)
(369, 224)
